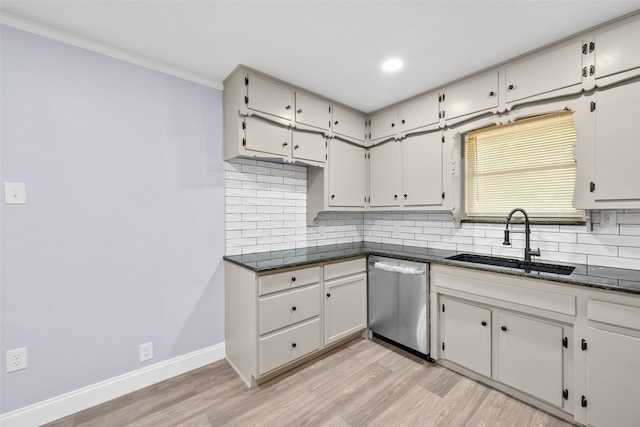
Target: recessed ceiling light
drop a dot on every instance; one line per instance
(392, 65)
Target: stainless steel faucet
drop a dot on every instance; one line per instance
(528, 252)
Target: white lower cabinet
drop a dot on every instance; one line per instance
(530, 356)
(345, 299)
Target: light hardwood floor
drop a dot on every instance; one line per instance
(363, 383)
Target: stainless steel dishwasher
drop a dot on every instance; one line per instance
(398, 308)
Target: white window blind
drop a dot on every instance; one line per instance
(527, 164)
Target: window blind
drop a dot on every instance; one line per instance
(527, 164)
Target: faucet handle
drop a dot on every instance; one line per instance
(534, 252)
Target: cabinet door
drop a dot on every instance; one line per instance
(613, 379)
(269, 97)
(467, 335)
(471, 96)
(347, 174)
(312, 111)
(530, 356)
(348, 123)
(265, 137)
(617, 143)
(384, 174)
(418, 113)
(345, 307)
(309, 146)
(383, 125)
(618, 49)
(556, 69)
(422, 170)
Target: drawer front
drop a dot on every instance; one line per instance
(287, 280)
(614, 314)
(281, 310)
(345, 268)
(287, 345)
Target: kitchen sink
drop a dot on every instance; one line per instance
(514, 263)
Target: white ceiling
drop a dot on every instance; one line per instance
(334, 48)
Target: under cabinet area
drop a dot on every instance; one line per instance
(276, 320)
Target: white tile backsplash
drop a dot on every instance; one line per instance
(266, 210)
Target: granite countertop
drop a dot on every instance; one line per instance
(616, 279)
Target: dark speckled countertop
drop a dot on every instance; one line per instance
(616, 279)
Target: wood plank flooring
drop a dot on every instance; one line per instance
(363, 383)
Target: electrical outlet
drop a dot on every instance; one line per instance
(14, 193)
(16, 359)
(146, 351)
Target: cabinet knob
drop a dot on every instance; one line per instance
(328, 295)
(293, 279)
(295, 147)
(393, 124)
(504, 328)
(484, 323)
(333, 196)
(335, 123)
(405, 197)
(284, 144)
(299, 110)
(395, 196)
(510, 87)
(403, 122)
(294, 308)
(288, 107)
(293, 345)
(492, 93)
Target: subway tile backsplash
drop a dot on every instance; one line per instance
(266, 210)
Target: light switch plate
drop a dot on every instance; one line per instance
(608, 218)
(15, 193)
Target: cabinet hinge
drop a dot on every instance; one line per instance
(593, 106)
(443, 113)
(443, 308)
(592, 70)
(442, 346)
(565, 394)
(584, 72)
(246, 100)
(592, 187)
(329, 112)
(326, 157)
(246, 81)
(592, 47)
(369, 135)
(244, 142)
(443, 194)
(443, 139)
(584, 345)
(369, 199)
(583, 402)
(584, 49)
(244, 125)
(565, 342)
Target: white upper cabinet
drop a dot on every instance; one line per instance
(383, 125)
(618, 50)
(348, 124)
(420, 112)
(308, 146)
(422, 170)
(385, 163)
(312, 111)
(617, 144)
(474, 95)
(347, 175)
(267, 96)
(556, 69)
(266, 137)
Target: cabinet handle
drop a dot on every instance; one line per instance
(284, 144)
(504, 328)
(328, 295)
(293, 345)
(288, 107)
(484, 323)
(293, 279)
(492, 93)
(335, 123)
(299, 110)
(295, 147)
(294, 308)
(510, 87)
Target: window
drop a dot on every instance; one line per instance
(527, 164)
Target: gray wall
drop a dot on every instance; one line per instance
(122, 237)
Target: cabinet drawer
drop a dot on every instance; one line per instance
(614, 314)
(280, 310)
(287, 345)
(345, 268)
(287, 280)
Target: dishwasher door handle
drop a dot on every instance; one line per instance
(397, 268)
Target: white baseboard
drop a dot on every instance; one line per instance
(78, 400)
